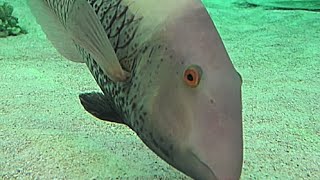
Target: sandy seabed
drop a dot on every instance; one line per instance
(46, 134)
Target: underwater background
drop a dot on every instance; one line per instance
(46, 134)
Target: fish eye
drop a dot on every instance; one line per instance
(192, 76)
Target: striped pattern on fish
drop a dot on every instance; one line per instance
(121, 26)
(114, 15)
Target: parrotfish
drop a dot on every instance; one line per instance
(163, 71)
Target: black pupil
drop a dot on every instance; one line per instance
(190, 77)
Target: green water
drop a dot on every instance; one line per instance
(46, 134)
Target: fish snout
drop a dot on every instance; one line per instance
(219, 146)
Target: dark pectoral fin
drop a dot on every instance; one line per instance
(100, 106)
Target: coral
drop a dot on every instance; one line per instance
(8, 23)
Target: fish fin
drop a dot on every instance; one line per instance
(54, 30)
(100, 106)
(80, 25)
(87, 31)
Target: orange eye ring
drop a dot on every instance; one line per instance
(192, 76)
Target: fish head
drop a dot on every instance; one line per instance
(198, 107)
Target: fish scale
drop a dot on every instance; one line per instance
(121, 26)
(128, 52)
(127, 97)
(104, 82)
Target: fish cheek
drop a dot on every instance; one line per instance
(172, 115)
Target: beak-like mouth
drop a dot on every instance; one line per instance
(209, 170)
(216, 145)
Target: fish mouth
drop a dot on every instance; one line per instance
(205, 172)
(210, 171)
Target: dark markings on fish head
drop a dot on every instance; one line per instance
(193, 99)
